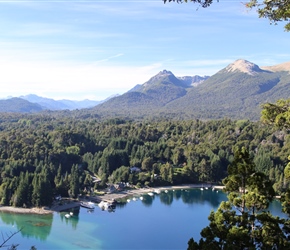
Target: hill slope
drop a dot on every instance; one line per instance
(19, 105)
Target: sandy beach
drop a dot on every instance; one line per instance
(70, 203)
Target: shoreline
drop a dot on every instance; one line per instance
(71, 203)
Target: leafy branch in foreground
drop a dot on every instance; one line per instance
(274, 10)
(203, 3)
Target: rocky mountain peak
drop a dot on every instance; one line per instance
(165, 72)
(160, 77)
(243, 66)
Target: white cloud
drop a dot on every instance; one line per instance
(67, 80)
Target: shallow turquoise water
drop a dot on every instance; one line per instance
(164, 221)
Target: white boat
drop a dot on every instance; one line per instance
(134, 199)
(128, 200)
(141, 198)
(67, 216)
(151, 194)
(89, 205)
(71, 213)
(201, 189)
(166, 191)
(103, 205)
(157, 191)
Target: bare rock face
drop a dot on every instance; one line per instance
(243, 66)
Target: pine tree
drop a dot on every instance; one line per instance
(74, 181)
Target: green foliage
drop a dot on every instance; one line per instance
(203, 3)
(277, 114)
(274, 10)
(241, 222)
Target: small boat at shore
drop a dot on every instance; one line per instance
(151, 194)
(89, 205)
(104, 205)
(157, 191)
(67, 216)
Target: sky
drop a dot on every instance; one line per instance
(93, 49)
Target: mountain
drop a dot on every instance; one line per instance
(243, 66)
(20, 105)
(193, 80)
(237, 92)
(51, 104)
(158, 91)
(33, 103)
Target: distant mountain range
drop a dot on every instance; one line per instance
(236, 92)
(33, 103)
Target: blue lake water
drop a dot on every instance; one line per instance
(164, 221)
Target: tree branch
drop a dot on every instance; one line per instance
(8, 237)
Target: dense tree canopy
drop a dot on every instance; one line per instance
(274, 10)
(42, 156)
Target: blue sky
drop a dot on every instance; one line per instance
(94, 49)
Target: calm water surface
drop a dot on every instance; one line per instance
(164, 221)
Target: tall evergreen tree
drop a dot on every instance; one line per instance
(74, 181)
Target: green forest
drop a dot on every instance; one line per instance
(44, 155)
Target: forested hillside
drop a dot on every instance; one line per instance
(42, 156)
(237, 92)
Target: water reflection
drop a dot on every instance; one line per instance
(73, 219)
(38, 226)
(166, 198)
(148, 200)
(188, 196)
(198, 196)
(177, 193)
(31, 225)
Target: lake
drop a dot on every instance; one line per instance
(163, 221)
